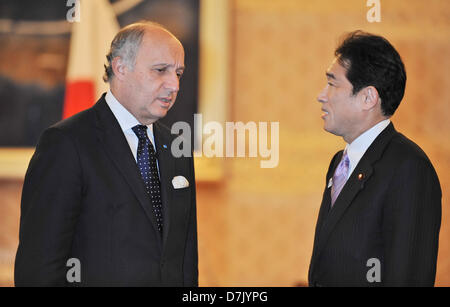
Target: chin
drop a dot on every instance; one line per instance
(157, 112)
(329, 130)
(161, 114)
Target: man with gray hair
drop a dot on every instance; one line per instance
(104, 201)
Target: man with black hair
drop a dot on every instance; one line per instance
(380, 215)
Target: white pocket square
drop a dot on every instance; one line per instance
(180, 182)
(330, 183)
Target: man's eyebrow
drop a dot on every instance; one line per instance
(330, 75)
(168, 65)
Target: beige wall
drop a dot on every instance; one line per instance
(256, 226)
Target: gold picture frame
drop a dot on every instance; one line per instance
(213, 78)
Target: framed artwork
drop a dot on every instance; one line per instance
(35, 39)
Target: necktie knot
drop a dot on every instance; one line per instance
(340, 177)
(140, 131)
(343, 166)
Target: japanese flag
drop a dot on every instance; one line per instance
(90, 41)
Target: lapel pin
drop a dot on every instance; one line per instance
(360, 176)
(165, 146)
(330, 182)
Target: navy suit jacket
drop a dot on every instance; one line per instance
(84, 198)
(388, 210)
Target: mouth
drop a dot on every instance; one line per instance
(324, 114)
(165, 101)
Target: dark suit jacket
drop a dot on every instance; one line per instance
(84, 198)
(391, 212)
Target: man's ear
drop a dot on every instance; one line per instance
(371, 97)
(119, 68)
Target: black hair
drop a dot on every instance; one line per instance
(371, 60)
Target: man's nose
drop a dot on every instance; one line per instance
(322, 97)
(172, 82)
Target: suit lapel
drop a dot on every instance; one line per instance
(326, 200)
(353, 186)
(166, 163)
(116, 147)
(324, 208)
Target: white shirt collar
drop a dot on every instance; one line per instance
(359, 146)
(124, 117)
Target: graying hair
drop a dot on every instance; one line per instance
(126, 45)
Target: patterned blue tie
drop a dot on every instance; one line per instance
(146, 161)
(339, 177)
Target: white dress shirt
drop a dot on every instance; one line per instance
(358, 147)
(127, 121)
